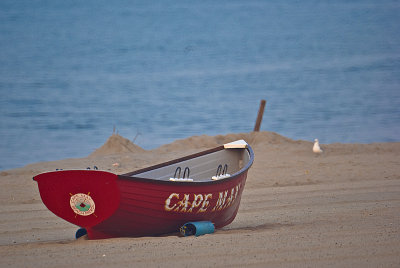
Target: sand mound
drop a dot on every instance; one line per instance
(204, 141)
(117, 144)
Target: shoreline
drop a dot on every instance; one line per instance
(341, 208)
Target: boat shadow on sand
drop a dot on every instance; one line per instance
(226, 230)
(245, 229)
(256, 228)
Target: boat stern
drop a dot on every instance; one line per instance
(82, 197)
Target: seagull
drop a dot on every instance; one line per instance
(316, 149)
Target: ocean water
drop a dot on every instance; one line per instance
(157, 71)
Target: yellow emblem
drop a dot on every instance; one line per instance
(82, 204)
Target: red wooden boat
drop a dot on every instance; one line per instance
(205, 186)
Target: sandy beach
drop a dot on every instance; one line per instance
(299, 209)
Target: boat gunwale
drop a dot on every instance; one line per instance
(129, 176)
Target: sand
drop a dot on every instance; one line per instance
(298, 209)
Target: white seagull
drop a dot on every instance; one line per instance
(316, 149)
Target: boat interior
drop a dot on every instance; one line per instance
(208, 167)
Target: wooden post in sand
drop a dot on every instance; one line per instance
(260, 115)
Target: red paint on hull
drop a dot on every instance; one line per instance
(143, 213)
(108, 205)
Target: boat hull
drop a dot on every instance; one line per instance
(125, 207)
(149, 209)
(109, 205)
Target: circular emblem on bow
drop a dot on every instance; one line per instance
(82, 204)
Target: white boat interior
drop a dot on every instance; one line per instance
(212, 166)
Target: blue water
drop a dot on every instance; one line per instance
(163, 70)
